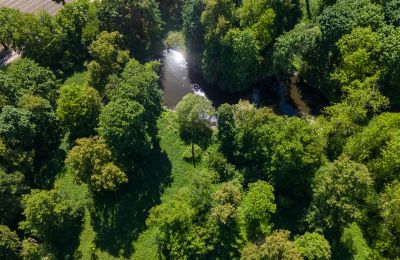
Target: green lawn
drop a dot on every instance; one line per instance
(114, 225)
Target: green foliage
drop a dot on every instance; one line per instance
(108, 58)
(340, 189)
(264, 28)
(16, 127)
(78, 109)
(391, 10)
(354, 241)
(32, 249)
(376, 146)
(9, 243)
(359, 51)
(238, 60)
(12, 187)
(32, 79)
(313, 246)
(43, 116)
(276, 246)
(389, 206)
(389, 65)
(140, 83)
(175, 40)
(123, 126)
(138, 21)
(340, 18)
(8, 90)
(180, 233)
(79, 26)
(191, 24)
(287, 13)
(256, 209)
(49, 216)
(295, 45)
(92, 162)
(171, 11)
(194, 113)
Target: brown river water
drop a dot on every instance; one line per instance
(289, 97)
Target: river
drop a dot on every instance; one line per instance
(289, 97)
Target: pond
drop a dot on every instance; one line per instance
(286, 97)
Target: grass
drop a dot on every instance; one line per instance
(114, 225)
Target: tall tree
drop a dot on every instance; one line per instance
(108, 58)
(340, 189)
(194, 113)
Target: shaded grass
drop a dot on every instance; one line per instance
(114, 224)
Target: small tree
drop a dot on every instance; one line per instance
(194, 114)
(93, 164)
(256, 210)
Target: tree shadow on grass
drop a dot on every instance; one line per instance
(118, 218)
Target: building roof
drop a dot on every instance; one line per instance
(33, 6)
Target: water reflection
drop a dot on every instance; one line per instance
(285, 99)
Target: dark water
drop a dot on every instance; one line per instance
(285, 97)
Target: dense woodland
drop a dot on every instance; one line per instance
(93, 166)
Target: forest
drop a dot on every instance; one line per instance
(94, 165)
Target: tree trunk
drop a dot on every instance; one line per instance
(194, 161)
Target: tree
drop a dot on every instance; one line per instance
(256, 210)
(339, 189)
(9, 243)
(16, 127)
(78, 109)
(171, 11)
(340, 18)
(192, 27)
(295, 46)
(391, 9)
(108, 58)
(12, 187)
(194, 113)
(50, 217)
(360, 53)
(123, 126)
(313, 246)
(287, 13)
(138, 21)
(389, 64)
(9, 21)
(34, 79)
(238, 60)
(388, 231)
(140, 83)
(8, 90)
(276, 246)
(43, 116)
(225, 213)
(93, 164)
(79, 26)
(376, 146)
